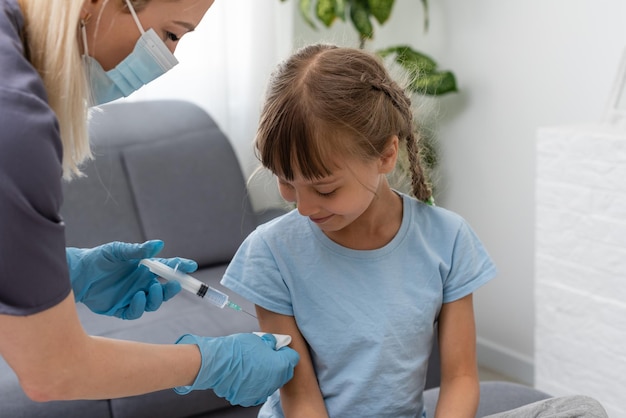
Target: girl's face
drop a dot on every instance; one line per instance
(337, 201)
(112, 33)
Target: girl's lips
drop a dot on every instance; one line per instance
(321, 220)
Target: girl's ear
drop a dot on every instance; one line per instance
(389, 156)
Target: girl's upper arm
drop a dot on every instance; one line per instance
(457, 338)
(459, 391)
(301, 396)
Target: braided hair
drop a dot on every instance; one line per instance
(345, 92)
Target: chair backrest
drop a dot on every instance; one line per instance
(163, 170)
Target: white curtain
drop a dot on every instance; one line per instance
(225, 63)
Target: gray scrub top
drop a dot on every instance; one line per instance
(33, 267)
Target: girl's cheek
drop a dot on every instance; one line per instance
(287, 194)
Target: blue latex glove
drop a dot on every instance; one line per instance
(243, 368)
(110, 281)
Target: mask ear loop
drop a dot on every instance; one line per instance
(85, 57)
(132, 12)
(83, 31)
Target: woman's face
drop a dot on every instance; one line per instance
(112, 33)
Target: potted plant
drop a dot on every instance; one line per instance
(427, 78)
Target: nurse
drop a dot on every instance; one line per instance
(58, 58)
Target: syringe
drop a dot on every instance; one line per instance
(192, 285)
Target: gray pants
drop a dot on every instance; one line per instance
(563, 407)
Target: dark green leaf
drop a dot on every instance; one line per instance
(410, 59)
(325, 11)
(423, 70)
(305, 12)
(435, 84)
(361, 19)
(360, 16)
(381, 9)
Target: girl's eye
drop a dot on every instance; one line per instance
(172, 37)
(327, 194)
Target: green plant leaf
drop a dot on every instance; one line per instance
(325, 11)
(305, 12)
(435, 84)
(340, 9)
(360, 16)
(423, 71)
(408, 58)
(381, 9)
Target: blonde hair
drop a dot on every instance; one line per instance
(51, 36)
(326, 102)
(52, 42)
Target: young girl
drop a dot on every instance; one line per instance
(360, 275)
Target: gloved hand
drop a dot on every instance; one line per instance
(110, 281)
(243, 368)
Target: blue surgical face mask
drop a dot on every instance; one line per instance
(150, 59)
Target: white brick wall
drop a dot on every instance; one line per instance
(580, 264)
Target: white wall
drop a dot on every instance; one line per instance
(520, 65)
(581, 263)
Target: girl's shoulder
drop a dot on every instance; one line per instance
(285, 233)
(423, 213)
(288, 224)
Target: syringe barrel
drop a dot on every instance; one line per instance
(187, 282)
(216, 297)
(206, 292)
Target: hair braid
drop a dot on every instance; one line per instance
(419, 182)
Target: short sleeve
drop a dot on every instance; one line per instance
(471, 266)
(33, 267)
(254, 274)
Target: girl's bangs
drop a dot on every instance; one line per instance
(300, 145)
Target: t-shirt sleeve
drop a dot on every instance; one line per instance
(471, 266)
(33, 267)
(254, 274)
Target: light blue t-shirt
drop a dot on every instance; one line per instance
(368, 316)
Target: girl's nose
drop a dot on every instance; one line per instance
(306, 206)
